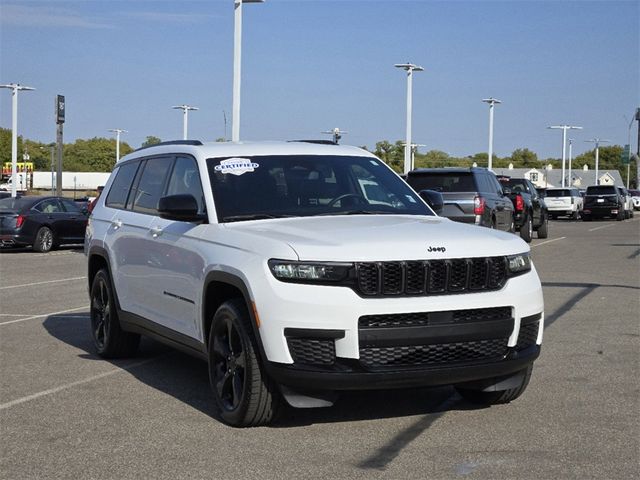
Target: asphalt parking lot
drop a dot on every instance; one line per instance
(65, 413)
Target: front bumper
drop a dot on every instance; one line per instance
(350, 375)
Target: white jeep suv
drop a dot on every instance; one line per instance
(298, 270)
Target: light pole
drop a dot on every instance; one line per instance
(237, 61)
(491, 101)
(118, 131)
(629, 144)
(597, 142)
(564, 143)
(570, 157)
(185, 118)
(409, 68)
(15, 88)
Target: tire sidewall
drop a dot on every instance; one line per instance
(102, 276)
(37, 246)
(230, 310)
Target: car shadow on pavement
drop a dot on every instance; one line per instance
(186, 379)
(70, 248)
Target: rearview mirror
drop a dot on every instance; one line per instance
(433, 199)
(182, 207)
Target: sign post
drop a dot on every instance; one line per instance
(60, 112)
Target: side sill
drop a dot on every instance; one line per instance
(133, 323)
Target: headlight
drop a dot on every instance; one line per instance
(309, 272)
(519, 264)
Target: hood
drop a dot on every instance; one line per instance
(380, 238)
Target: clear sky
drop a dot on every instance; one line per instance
(309, 66)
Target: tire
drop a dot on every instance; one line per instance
(553, 216)
(620, 217)
(512, 226)
(244, 395)
(44, 240)
(108, 337)
(499, 397)
(543, 230)
(526, 230)
(574, 215)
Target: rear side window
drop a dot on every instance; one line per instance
(70, 206)
(121, 185)
(151, 185)
(48, 206)
(443, 182)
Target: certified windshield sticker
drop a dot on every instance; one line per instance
(236, 166)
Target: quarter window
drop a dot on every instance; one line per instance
(121, 185)
(70, 206)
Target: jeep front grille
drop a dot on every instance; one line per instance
(431, 277)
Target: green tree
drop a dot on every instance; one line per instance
(151, 140)
(391, 154)
(524, 158)
(94, 155)
(5, 146)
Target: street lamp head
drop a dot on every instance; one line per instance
(118, 130)
(491, 101)
(185, 107)
(238, 2)
(16, 86)
(409, 67)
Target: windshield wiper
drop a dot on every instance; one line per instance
(252, 216)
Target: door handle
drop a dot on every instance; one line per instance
(116, 224)
(156, 232)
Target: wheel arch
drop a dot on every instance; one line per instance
(220, 287)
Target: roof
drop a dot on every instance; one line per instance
(553, 178)
(234, 149)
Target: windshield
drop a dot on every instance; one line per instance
(252, 188)
(558, 193)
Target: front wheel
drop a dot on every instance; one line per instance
(244, 395)
(500, 396)
(543, 230)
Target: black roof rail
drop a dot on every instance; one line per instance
(318, 142)
(172, 142)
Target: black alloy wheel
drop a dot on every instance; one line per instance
(229, 364)
(244, 395)
(109, 339)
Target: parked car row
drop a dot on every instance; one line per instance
(43, 222)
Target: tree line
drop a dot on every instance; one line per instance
(98, 155)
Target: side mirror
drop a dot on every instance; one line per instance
(433, 199)
(182, 207)
(507, 191)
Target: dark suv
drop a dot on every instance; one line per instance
(603, 201)
(471, 195)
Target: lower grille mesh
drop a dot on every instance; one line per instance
(528, 335)
(421, 355)
(311, 351)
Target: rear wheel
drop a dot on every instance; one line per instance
(110, 340)
(574, 215)
(500, 396)
(244, 395)
(543, 230)
(44, 240)
(620, 217)
(526, 230)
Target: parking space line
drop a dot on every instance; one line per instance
(548, 241)
(43, 283)
(601, 227)
(13, 314)
(43, 315)
(66, 386)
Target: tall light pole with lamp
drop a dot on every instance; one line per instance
(237, 64)
(185, 118)
(409, 68)
(564, 129)
(117, 131)
(492, 102)
(597, 142)
(570, 157)
(15, 88)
